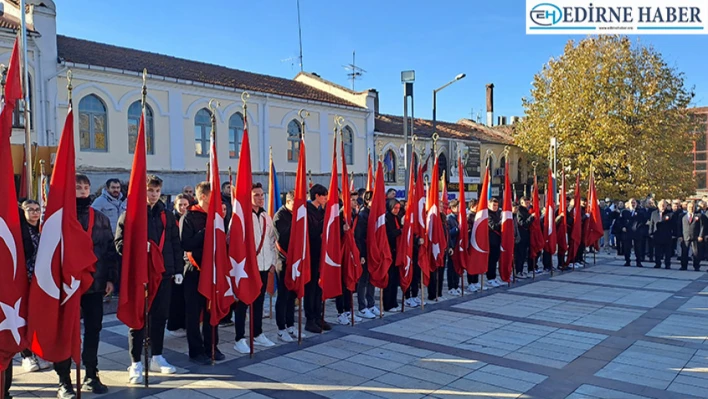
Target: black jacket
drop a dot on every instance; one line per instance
(453, 225)
(360, 233)
(171, 250)
(103, 246)
(608, 216)
(283, 222)
(315, 225)
(393, 231)
(494, 228)
(226, 200)
(665, 228)
(29, 248)
(524, 220)
(191, 229)
(636, 224)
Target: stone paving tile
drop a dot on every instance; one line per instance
(693, 377)
(692, 329)
(698, 305)
(594, 392)
(510, 305)
(475, 389)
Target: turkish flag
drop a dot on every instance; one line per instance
(460, 255)
(136, 269)
(378, 252)
(537, 241)
(244, 276)
(436, 234)
(215, 280)
(404, 255)
(562, 230)
(13, 273)
(549, 227)
(297, 272)
(595, 230)
(351, 258)
(506, 258)
(64, 263)
(479, 239)
(331, 255)
(419, 228)
(576, 232)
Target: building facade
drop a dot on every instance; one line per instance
(700, 150)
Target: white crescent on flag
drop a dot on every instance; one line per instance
(506, 215)
(549, 219)
(51, 237)
(480, 217)
(332, 216)
(301, 214)
(421, 210)
(9, 240)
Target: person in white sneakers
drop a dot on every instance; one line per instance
(494, 243)
(365, 290)
(266, 254)
(164, 234)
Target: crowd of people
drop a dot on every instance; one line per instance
(659, 231)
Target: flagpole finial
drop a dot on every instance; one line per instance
(41, 163)
(270, 150)
(303, 114)
(244, 98)
(505, 153)
(534, 164)
(435, 142)
(69, 87)
(144, 92)
(488, 157)
(213, 105)
(4, 79)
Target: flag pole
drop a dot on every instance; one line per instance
(146, 327)
(303, 114)
(535, 187)
(381, 290)
(25, 90)
(422, 275)
(2, 383)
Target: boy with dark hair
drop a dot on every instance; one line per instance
(285, 300)
(313, 291)
(192, 230)
(365, 290)
(163, 233)
(99, 227)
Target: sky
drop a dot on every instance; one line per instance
(486, 40)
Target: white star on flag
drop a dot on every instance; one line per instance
(238, 270)
(13, 322)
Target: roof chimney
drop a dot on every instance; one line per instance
(490, 104)
(376, 102)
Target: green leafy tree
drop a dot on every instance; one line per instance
(620, 107)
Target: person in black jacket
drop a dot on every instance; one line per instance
(662, 232)
(285, 300)
(693, 230)
(313, 291)
(453, 225)
(524, 220)
(393, 232)
(635, 220)
(163, 236)
(364, 289)
(192, 231)
(176, 318)
(494, 242)
(617, 226)
(104, 277)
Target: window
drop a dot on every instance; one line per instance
(701, 180)
(235, 134)
(202, 132)
(442, 167)
(348, 140)
(134, 112)
(93, 126)
(18, 116)
(294, 132)
(389, 165)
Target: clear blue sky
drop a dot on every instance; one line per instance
(484, 39)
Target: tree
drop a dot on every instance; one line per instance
(620, 107)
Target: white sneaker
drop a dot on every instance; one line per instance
(294, 332)
(343, 319)
(484, 287)
(135, 374)
(43, 364)
(411, 303)
(458, 291)
(525, 274)
(367, 314)
(284, 336)
(539, 271)
(242, 346)
(29, 364)
(262, 340)
(357, 319)
(519, 276)
(375, 311)
(472, 288)
(453, 292)
(158, 364)
(418, 301)
(181, 333)
(397, 309)
(493, 283)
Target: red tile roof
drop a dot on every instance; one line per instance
(392, 124)
(81, 51)
(699, 110)
(8, 21)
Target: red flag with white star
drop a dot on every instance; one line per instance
(378, 252)
(331, 256)
(506, 258)
(297, 272)
(404, 254)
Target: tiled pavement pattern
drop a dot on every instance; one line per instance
(605, 331)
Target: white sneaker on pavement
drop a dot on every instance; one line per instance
(411, 303)
(343, 319)
(418, 301)
(453, 292)
(158, 364)
(367, 314)
(357, 319)
(284, 336)
(375, 310)
(29, 364)
(472, 288)
(459, 291)
(294, 332)
(397, 309)
(135, 374)
(242, 346)
(493, 283)
(181, 333)
(262, 340)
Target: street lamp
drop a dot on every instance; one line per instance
(435, 101)
(407, 78)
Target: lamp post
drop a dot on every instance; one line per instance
(435, 96)
(407, 78)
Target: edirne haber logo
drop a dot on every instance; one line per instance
(564, 17)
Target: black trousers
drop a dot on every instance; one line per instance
(619, 240)
(581, 251)
(649, 247)
(436, 282)
(242, 308)
(637, 243)
(494, 254)
(313, 295)
(159, 310)
(521, 255)
(697, 249)
(547, 260)
(177, 319)
(344, 301)
(199, 339)
(390, 293)
(413, 290)
(8, 380)
(663, 250)
(453, 279)
(284, 304)
(92, 310)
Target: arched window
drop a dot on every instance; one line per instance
(134, 112)
(235, 134)
(93, 124)
(389, 165)
(18, 116)
(294, 132)
(348, 140)
(442, 167)
(202, 131)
